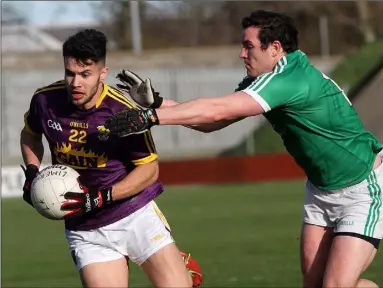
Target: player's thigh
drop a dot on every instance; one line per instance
(349, 257)
(317, 207)
(99, 264)
(315, 246)
(105, 274)
(147, 232)
(166, 268)
(316, 235)
(152, 247)
(358, 231)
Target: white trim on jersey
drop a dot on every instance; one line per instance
(261, 81)
(259, 99)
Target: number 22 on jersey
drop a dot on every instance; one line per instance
(78, 136)
(337, 86)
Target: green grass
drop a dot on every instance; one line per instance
(242, 236)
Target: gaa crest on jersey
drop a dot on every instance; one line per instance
(54, 125)
(103, 133)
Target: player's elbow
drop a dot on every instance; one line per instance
(218, 114)
(212, 113)
(156, 172)
(153, 171)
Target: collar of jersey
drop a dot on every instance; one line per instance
(102, 96)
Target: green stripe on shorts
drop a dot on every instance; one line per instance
(374, 210)
(379, 199)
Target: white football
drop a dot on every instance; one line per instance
(49, 187)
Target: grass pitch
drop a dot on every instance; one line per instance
(242, 236)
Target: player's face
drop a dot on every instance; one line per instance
(84, 82)
(256, 59)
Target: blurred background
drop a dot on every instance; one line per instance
(189, 49)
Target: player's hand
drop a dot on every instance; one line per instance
(30, 171)
(131, 121)
(92, 199)
(193, 268)
(141, 91)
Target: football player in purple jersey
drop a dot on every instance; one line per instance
(116, 218)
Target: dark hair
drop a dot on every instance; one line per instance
(273, 27)
(86, 45)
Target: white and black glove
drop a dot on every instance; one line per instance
(142, 92)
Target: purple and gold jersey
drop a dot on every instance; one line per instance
(77, 138)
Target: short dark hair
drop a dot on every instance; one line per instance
(85, 45)
(273, 27)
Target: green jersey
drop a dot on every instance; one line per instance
(318, 124)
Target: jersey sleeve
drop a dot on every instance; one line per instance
(277, 88)
(32, 118)
(141, 148)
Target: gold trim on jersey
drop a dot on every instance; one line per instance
(54, 86)
(145, 160)
(122, 96)
(118, 96)
(103, 95)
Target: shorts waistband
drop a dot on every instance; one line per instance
(377, 171)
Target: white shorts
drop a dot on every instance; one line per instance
(137, 236)
(355, 209)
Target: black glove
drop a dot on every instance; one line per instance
(142, 92)
(30, 171)
(131, 121)
(92, 199)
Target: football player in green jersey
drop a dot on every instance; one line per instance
(343, 219)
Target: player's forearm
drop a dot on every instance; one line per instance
(140, 178)
(194, 112)
(32, 148)
(205, 128)
(211, 127)
(168, 103)
(210, 110)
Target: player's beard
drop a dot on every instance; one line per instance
(94, 92)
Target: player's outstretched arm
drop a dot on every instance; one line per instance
(195, 112)
(210, 110)
(147, 97)
(206, 127)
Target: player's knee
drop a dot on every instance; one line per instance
(336, 281)
(361, 283)
(364, 283)
(165, 268)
